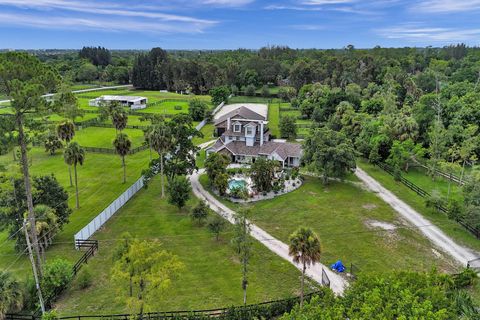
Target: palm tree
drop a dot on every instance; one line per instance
(45, 226)
(161, 140)
(11, 296)
(66, 132)
(304, 248)
(119, 118)
(122, 145)
(74, 154)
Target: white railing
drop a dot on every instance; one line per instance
(108, 212)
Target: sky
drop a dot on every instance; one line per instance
(232, 24)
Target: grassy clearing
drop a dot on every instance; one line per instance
(100, 182)
(274, 119)
(103, 137)
(245, 99)
(450, 227)
(207, 132)
(168, 107)
(212, 276)
(59, 118)
(342, 215)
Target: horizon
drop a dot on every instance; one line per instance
(231, 24)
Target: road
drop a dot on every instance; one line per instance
(433, 233)
(337, 283)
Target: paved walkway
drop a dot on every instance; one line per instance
(337, 283)
(433, 233)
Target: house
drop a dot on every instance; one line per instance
(244, 136)
(134, 102)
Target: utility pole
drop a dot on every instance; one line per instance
(34, 267)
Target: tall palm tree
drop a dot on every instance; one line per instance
(74, 154)
(45, 226)
(11, 296)
(122, 145)
(161, 139)
(66, 132)
(304, 248)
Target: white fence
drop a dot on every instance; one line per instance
(108, 212)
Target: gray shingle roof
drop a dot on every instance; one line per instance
(241, 112)
(283, 149)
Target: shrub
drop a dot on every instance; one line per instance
(85, 278)
(50, 315)
(177, 107)
(57, 275)
(200, 212)
(250, 90)
(435, 200)
(465, 278)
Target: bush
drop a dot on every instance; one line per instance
(85, 278)
(50, 315)
(465, 278)
(435, 200)
(250, 90)
(177, 107)
(57, 275)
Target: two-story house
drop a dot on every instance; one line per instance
(244, 136)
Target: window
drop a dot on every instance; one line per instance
(237, 128)
(249, 131)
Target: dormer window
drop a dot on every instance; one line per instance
(249, 131)
(237, 127)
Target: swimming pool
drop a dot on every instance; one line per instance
(237, 184)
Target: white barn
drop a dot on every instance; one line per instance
(134, 102)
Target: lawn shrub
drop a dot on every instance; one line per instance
(465, 278)
(177, 107)
(85, 278)
(57, 275)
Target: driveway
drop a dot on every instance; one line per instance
(433, 233)
(337, 283)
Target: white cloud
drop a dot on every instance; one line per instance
(419, 33)
(227, 3)
(447, 6)
(326, 2)
(308, 27)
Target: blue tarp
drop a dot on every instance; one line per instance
(338, 266)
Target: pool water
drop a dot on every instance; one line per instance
(236, 183)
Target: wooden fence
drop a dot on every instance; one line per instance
(424, 194)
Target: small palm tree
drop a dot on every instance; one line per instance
(122, 145)
(11, 297)
(305, 249)
(119, 118)
(161, 140)
(74, 154)
(66, 132)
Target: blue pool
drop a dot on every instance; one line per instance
(236, 183)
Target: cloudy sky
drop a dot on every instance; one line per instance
(226, 24)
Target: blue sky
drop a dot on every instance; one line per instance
(230, 24)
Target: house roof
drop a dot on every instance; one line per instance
(120, 98)
(283, 149)
(241, 112)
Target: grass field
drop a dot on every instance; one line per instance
(103, 137)
(212, 277)
(207, 132)
(345, 217)
(274, 119)
(100, 182)
(167, 107)
(450, 227)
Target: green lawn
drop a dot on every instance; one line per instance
(450, 227)
(207, 131)
(274, 119)
(244, 99)
(103, 137)
(5, 110)
(167, 107)
(342, 215)
(59, 118)
(212, 276)
(100, 182)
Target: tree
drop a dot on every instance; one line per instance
(119, 117)
(46, 226)
(263, 172)
(66, 103)
(304, 248)
(243, 246)
(403, 153)
(216, 167)
(122, 146)
(265, 91)
(66, 132)
(329, 153)
(179, 191)
(87, 72)
(52, 143)
(25, 79)
(437, 147)
(219, 95)
(250, 90)
(216, 224)
(200, 212)
(161, 139)
(74, 155)
(287, 93)
(288, 128)
(11, 295)
(197, 109)
(147, 270)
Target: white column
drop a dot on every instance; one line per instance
(228, 123)
(261, 133)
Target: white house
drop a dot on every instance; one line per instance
(134, 102)
(244, 136)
